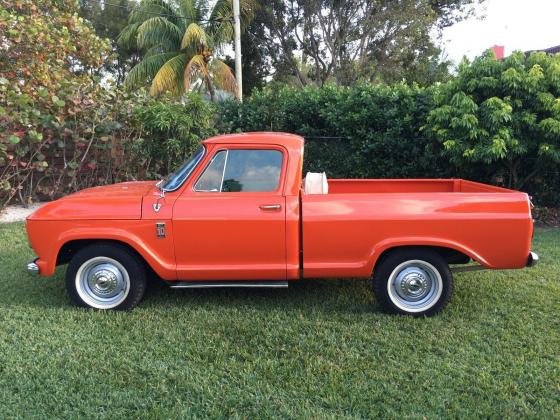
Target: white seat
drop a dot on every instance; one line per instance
(316, 183)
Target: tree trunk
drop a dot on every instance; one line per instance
(514, 181)
(210, 87)
(512, 173)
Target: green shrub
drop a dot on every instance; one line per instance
(60, 129)
(53, 115)
(504, 114)
(168, 132)
(379, 131)
(362, 131)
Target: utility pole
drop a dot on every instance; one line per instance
(237, 36)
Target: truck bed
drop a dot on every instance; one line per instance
(345, 231)
(359, 186)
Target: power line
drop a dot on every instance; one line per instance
(168, 15)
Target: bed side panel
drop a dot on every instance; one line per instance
(343, 234)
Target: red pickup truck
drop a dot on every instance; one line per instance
(237, 214)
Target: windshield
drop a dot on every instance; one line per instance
(175, 179)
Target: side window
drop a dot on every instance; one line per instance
(243, 170)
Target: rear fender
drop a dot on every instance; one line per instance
(391, 243)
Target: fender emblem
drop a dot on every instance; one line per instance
(160, 230)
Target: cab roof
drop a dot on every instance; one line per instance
(258, 137)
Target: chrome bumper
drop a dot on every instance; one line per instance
(533, 259)
(32, 267)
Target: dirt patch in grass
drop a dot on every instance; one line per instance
(17, 213)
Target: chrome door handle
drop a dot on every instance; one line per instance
(270, 207)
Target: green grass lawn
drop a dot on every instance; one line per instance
(319, 348)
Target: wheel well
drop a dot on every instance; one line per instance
(69, 249)
(450, 255)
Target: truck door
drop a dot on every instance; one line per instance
(231, 223)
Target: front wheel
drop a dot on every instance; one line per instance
(105, 276)
(413, 281)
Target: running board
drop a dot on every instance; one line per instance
(211, 284)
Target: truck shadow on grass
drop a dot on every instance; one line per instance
(476, 294)
(346, 296)
(308, 297)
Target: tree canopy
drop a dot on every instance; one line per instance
(108, 19)
(319, 41)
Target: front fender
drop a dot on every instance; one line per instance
(48, 237)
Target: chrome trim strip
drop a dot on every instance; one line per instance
(224, 171)
(212, 284)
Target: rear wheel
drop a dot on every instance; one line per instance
(106, 276)
(413, 281)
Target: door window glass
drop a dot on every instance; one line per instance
(242, 170)
(252, 170)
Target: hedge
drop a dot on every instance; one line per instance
(369, 131)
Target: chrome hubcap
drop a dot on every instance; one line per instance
(415, 286)
(102, 282)
(412, 283)
(105, 281)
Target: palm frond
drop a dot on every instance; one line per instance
(168, 78)
(191, 10)
(197, 67)
(222, 75)
(194, 37)
(164, 47)
(127, 37)
(147, 9)
(146, 69)
(221, 18)
(156, 30)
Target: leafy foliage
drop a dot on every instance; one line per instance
(502, 112)
(60, 129)
(47, 98)
(108, 18)
(317, 42)
(178, 45)
(379, 131)
(363, 131)
(168, 132)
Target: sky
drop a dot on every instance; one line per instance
(516, 24)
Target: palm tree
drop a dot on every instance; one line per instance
(177, 40)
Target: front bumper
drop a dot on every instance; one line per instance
(32, 266)
(532, 259)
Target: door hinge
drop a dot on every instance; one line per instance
(160, 230)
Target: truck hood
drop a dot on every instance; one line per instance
(121, 201)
